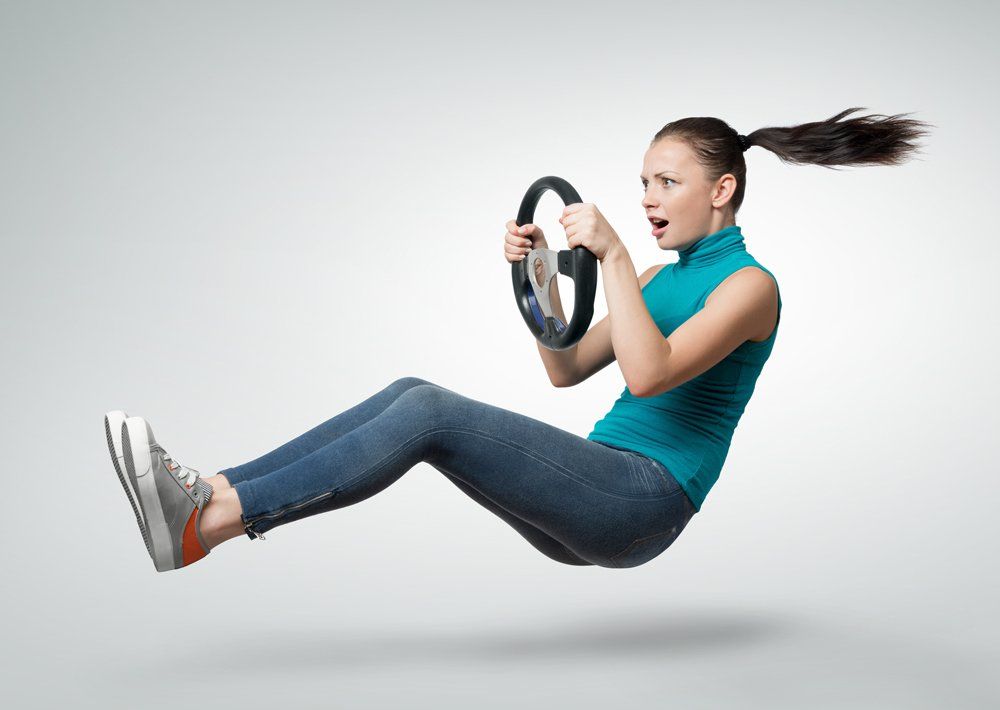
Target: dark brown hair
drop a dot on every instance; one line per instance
(875, 139)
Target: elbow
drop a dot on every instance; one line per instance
(567, 379)
(653, 379)
(637, 390)
(648, 388)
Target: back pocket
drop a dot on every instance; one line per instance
(644, 549)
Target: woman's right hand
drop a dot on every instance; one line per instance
(517, 244)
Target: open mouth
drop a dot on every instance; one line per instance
(658, 225)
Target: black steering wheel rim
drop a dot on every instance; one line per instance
(579, 264)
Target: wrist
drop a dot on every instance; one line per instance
(615, 254)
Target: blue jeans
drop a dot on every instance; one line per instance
(577, 501)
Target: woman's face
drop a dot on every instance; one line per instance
(676, 190)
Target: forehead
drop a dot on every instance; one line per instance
(668, 155)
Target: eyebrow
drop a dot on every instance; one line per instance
(661, 174)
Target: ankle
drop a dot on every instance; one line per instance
(218, 482)
(221, 518)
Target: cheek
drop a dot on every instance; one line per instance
(668, 199)
(684, 199)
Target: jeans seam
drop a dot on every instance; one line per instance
(640, 540)
(647, 480)
(643, 474)
(631, 467)
(555, 466)
(660, 468)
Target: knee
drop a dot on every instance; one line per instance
(406, 383)
(433, 405)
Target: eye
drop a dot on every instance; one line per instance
(665, 181)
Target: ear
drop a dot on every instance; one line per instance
(725, 188)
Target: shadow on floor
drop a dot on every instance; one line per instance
(616, 635)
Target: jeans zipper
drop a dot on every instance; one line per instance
(259, 536)
(282, 511)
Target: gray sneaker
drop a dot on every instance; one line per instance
(171, 496)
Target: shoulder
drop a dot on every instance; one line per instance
(747, 280)
(752, 290)
(646, 276)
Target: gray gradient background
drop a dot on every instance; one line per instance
(238, 219)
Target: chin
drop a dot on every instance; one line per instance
(670, 242)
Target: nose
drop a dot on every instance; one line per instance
(647, 201)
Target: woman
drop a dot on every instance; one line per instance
(690, 337)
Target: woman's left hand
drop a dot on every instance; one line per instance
(586, 227)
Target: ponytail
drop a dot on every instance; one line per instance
(863, 140)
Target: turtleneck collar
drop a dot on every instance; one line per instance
(712, 248)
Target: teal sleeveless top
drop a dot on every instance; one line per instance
(689, 428)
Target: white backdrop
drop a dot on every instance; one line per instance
(238, 219)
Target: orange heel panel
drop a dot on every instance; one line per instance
(191, 549)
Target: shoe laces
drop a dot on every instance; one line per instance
(184, 474)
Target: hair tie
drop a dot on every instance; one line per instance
(744, 141)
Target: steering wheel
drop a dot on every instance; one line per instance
(533, 274)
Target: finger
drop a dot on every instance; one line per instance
(514, 228)
(517, 240)
(516, 249)
(513, 256)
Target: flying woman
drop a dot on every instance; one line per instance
(690, 337)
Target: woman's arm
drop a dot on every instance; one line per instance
(739, 309)
(743, 307)
(639, 346)
(594, 351)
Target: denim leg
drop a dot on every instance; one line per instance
(546, 544)
(609, 507)
(321, 434)
(352, 418)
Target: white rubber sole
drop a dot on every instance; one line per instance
(113, 432)
(135, 434)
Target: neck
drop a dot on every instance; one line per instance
(712, 248)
